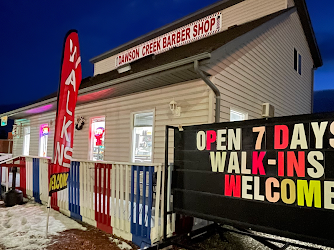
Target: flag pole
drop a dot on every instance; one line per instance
(47, 218)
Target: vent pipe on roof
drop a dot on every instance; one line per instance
(212, 86)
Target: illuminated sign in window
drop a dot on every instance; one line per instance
(97, 138)
(45, 130)
(43, 140)
(98, 135)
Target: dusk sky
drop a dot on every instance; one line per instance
(32, 34)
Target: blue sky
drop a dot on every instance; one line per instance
(32, 34)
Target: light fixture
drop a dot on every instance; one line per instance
(124, 68)
(176, 111)
(80, 122)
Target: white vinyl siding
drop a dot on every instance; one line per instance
(291, 3)
(192, 97)
(249, 10)
(238, 14)
(105, 65)
(258, 67)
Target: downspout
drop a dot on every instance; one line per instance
(212, 86)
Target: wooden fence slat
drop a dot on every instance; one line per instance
(157, 203)
(83, 191)
(127, 193)
(117, 209)
(162, 199)
(150, 200)
(113, 196)
(109, 167)
(95, 191)
(137, 199)
(92, 190)
(122, 206)
(143, 229)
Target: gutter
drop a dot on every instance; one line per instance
(213, 87)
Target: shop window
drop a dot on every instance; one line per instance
(43, 140)
(297, 63)
(142, 137)
(236, 115)
(97, 138)
(26, 140)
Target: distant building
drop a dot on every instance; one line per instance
(237, 54)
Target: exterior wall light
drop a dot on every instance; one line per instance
(124, 69)
(176, 111)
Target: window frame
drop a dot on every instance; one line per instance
(25, 140)
(40, 140)
(91, 138)
(297, 61)
(132, 115)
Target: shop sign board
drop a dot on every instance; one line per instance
(274, 175)
(194, 31)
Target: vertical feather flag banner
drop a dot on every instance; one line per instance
(70, 79)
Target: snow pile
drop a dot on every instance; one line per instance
(23, 227)
(121, 244)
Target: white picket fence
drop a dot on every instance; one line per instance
(124, 198)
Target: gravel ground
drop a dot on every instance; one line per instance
(234, 241)
(90, 239)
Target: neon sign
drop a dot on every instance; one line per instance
(45, 130)
(98, 135)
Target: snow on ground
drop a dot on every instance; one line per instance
(121, 244)
(22, 227)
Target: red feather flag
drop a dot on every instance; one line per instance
(70, 79)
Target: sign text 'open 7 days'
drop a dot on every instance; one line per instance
(242, 177)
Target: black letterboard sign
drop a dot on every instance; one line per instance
(274, 175)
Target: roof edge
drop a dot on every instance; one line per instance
(31, 106)
(309, 32)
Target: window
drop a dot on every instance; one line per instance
(43, 140)
(97, 138)
(237, 115)
(142, 137)
(297, 62)
(26, 140)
